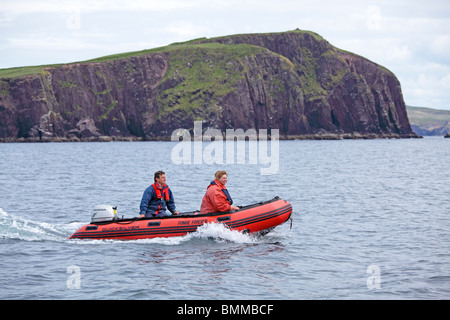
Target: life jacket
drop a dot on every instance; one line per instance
(225, 191)
(160, 193)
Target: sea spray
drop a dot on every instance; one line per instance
(16, 227)
(221, 232)
(209, 231)
(3, 213)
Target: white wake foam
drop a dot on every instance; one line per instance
(210, 231)
(220, 232)
(16, 227)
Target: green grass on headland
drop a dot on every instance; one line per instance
(29, 70)
(21, 71)
(427, 116)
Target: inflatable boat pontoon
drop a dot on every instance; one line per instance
(260, 217)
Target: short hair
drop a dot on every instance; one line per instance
(220, 173)
(158, 174)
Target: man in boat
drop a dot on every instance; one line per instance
(217, 198)
(157, 198)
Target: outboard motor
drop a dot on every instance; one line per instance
(104, 213)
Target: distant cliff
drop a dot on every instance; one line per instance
(293, 81)
(429, 122)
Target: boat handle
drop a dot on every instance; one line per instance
(220, 219)
(154, 224)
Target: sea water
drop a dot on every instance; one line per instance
(371, 221)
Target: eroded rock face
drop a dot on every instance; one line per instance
(330, 89)
(295, 82)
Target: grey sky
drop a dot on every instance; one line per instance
(410, 38)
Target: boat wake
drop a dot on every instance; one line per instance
(221, 233)
(17, 228)
(218, 233)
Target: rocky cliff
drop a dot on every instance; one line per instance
(293, 81)
(428, 121)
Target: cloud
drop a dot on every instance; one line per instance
(427, 85)
(184, 29)
(440, 47)
(50, 43)
(400, 53)
(403, 35)
(63, 6)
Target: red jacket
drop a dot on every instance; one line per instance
(215, 199)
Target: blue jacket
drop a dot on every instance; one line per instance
(150, 203)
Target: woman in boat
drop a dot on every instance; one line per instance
(217, 198)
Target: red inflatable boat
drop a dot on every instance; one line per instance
(260, 217)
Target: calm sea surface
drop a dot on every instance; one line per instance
(371, 221)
